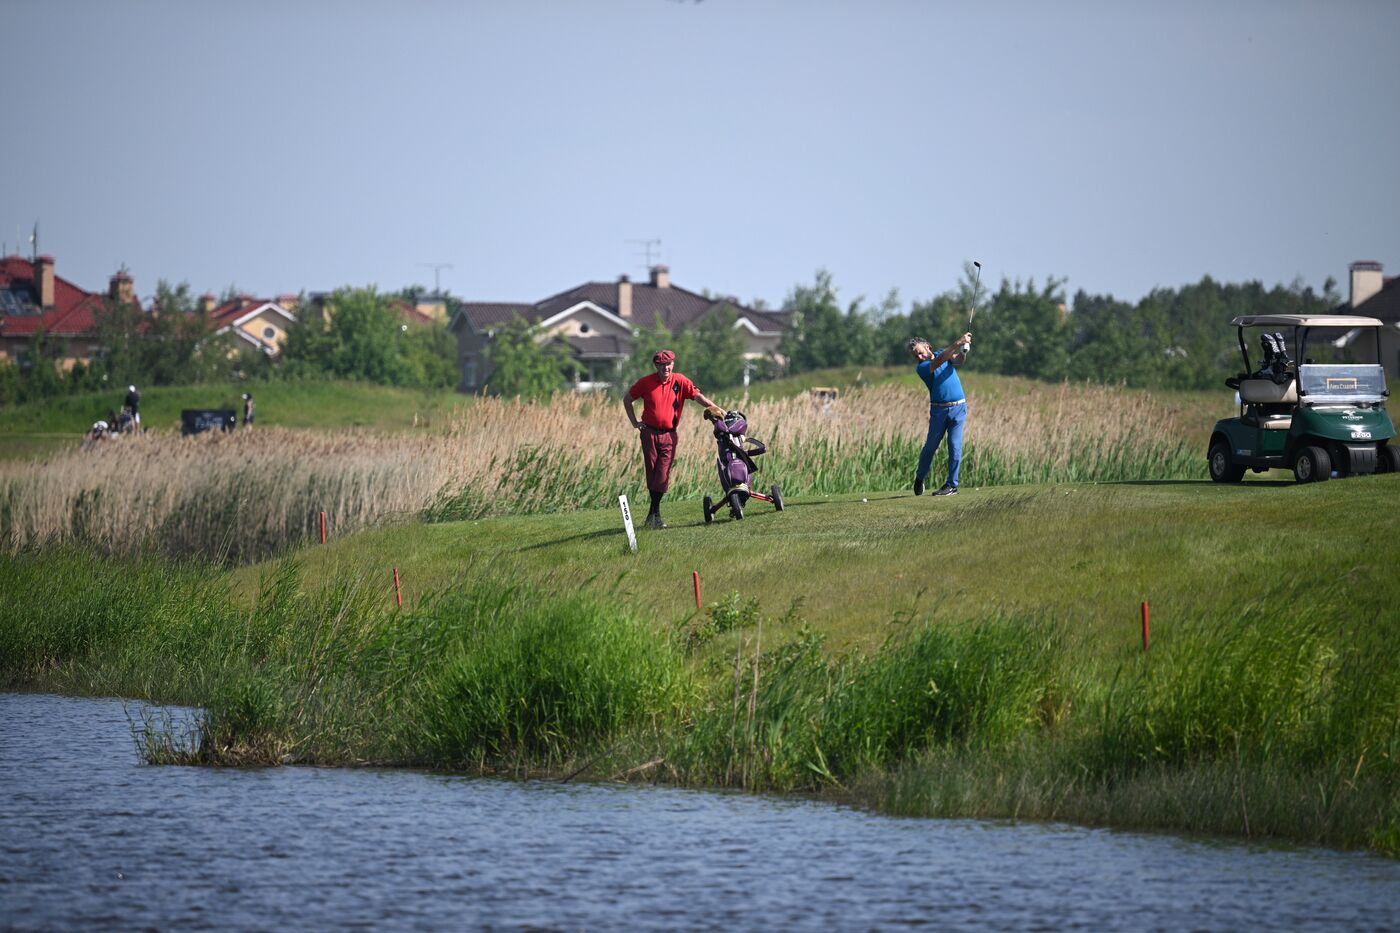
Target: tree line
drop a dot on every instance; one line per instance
(1172, 338)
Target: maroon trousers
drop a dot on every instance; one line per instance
(658, 453)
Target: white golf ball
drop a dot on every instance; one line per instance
(865, 500)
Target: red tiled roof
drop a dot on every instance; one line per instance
(233, 309)
(72, 311)
(409, 313)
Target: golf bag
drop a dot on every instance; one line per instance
(734, 459)
(736, 452)
(1275, 362)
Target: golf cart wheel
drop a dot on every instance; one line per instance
(709, 510)
(1222, 469)
(1388, 459)
(1312, 466)
(736, 505)
(777, 495)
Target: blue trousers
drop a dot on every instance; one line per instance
(944, 420)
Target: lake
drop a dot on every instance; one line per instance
(92, 838)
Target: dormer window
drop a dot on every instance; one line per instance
(583, 328)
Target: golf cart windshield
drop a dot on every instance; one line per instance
(1343, 383)
(1340, 345)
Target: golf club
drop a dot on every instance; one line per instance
(976, 281)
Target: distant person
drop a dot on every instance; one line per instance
(662, 393)
(947, 413)
(133, 402)
(125, 424)
(247, 409)
(97, 432)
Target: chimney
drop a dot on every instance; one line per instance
(43, 280)
(120, 289)
(624, 297)
(207, 302)
(1366, 280)
(661, 276)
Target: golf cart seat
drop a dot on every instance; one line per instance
(1275, 422)
(1268, 392)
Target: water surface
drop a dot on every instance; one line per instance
(90, 838)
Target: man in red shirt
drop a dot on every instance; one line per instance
(662, 394)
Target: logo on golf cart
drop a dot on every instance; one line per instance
(1361, 435)
(1350, 415)
(1342, 384)
(1243, 451)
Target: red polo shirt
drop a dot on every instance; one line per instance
(662, 401)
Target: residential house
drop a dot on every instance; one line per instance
(34, 299)
(1374, 295)
(597, 321)
(260, 322)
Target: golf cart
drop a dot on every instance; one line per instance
(1321, 415)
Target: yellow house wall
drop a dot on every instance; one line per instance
(254, 327)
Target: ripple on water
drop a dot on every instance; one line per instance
(91, 838)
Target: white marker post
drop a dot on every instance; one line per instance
(627, 523)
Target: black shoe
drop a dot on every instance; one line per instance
(654, 520)
(918, 486)
(947, 490)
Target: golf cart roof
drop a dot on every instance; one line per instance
(1305, 320)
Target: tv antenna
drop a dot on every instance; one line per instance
(437, 268)
(647, 247)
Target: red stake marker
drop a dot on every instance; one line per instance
(323, 527)
(398, 593)
(696, 574)
(1144, 625)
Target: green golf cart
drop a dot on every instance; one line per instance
(1313, 402)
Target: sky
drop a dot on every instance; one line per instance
(507, 151)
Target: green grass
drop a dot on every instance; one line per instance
(298, 404)
(1094, 553)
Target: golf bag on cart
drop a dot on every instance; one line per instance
(735, 460)
(1275, 362)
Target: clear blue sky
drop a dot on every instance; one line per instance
(282, 146)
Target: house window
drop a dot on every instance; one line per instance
(269, 333)
(469, 373)
(583, 328)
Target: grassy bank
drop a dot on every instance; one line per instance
(976, 657)
(309, 404)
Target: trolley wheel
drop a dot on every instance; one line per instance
(709, 510)
(777, 495)
(736, 505)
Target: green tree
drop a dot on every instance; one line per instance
(1022, 332)
(645, 342)
(717, 356)
(820, 335)
(523, 365)
(361, 337)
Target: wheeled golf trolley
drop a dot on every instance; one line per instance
(1321, 416)
(735, 460)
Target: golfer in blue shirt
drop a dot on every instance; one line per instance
(947, 413)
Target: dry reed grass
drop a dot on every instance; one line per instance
(251, 494)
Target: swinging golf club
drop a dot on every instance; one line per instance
(976, 281)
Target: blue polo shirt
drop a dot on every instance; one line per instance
(943, 384)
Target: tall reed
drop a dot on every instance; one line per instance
(253, 494)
